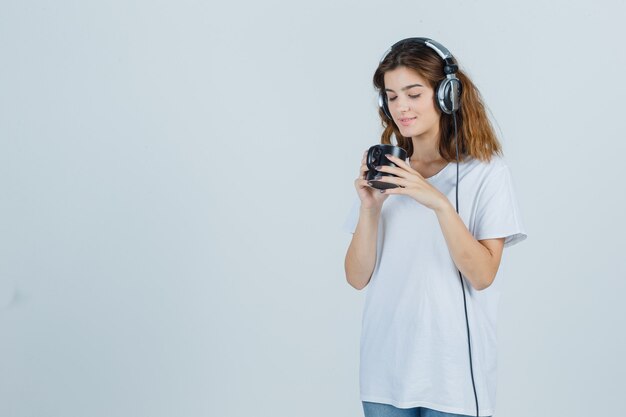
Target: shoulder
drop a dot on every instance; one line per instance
(483, 170)
(496, 163)
(479, 174)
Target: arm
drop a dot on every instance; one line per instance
(361, 255)
(477, 260)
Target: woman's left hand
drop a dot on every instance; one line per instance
(411, 183)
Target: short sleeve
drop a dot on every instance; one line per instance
(497, 211)
(351, 220)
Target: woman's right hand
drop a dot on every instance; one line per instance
(371, 198)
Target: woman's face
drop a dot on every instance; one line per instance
(411, 103)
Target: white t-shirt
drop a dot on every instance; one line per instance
(414, 349)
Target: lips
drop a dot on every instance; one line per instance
(405, 121)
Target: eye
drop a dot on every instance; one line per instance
(412, 96)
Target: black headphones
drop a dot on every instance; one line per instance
(448, 90)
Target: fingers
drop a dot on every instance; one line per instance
(400, 170)
(363, 167)
(399, 181)
(362, 183)
(399, 162)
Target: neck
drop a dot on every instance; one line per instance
(426, 148)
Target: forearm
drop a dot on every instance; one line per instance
(361, 255)
(471, 258)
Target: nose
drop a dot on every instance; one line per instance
(402, 104)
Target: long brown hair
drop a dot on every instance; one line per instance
(477, 137)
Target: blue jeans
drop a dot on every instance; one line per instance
(386, 410)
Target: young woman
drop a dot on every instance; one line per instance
(428, 340)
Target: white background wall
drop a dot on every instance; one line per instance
(174, 175)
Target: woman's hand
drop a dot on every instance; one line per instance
(412, 184)
(371, 198)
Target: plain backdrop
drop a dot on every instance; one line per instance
(174, 177)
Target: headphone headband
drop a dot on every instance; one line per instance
(441, 50)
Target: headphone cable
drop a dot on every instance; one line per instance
(469, 345)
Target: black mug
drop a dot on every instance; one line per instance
(376, 157)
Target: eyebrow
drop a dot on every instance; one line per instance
(405, 88)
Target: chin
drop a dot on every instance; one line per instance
(409, 133)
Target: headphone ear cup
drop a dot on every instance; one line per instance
(382, 103)
(449, 95)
